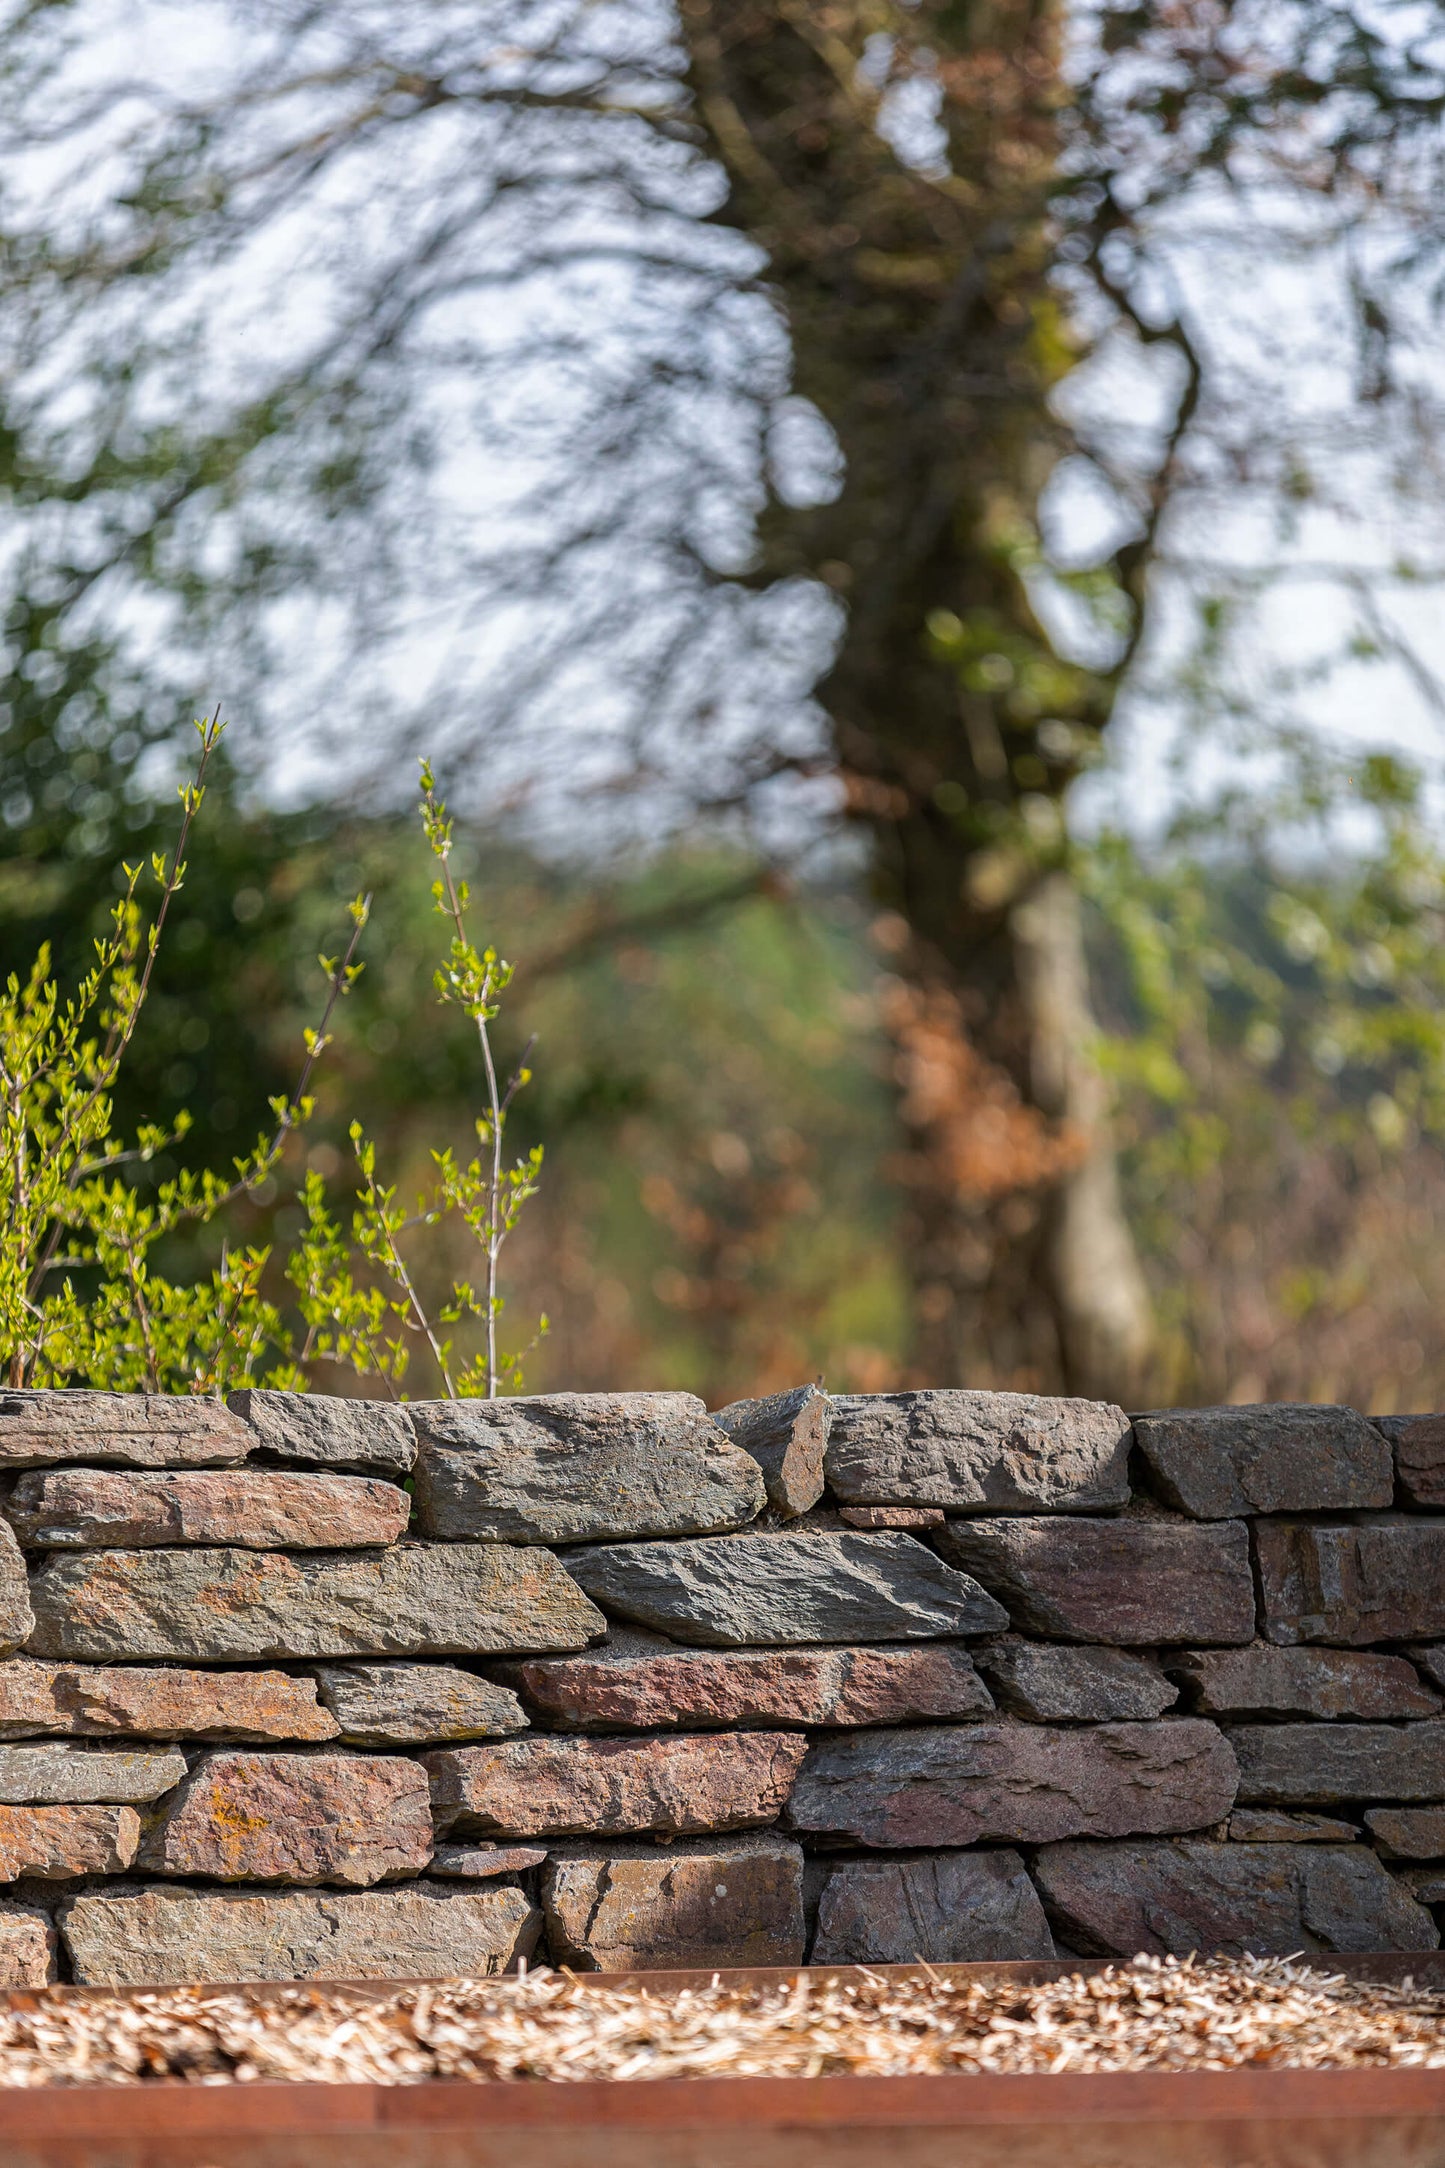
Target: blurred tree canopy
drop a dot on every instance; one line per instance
(469, 370)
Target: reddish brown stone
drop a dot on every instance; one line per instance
(1014, 1783)
(1263, 1680)
(27, 1946)
(483, 1862)
(348, 1818)
(641, 1682)
(259, 1508)
(56, 1843)
(1408, 1832)
(1133, 1580)
(892, 1516)
(701, 1904)
(1354, 1582)
(141, 1702)
(683, 1786)
(1274, 1825)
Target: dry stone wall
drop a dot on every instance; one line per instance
(307, 1688)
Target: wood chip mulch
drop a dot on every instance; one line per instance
(1149, 2015)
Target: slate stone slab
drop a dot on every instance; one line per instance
(102, 1700)
(576, 1467)
(1113, 1900)
(261, 1508)
(131, 1430)
(1218, 1463)
(1264, 1680)
(1419, 1448)
(1432, 1662)
(55, 1771)
(1272, 1825)
(319, 1432)
(417, 1704)
(770, 1591)
(681, 1785)
(1316, 1765)
(729, 1901)
(948, 1908)
(17, 1618)
(1073, 1684)
(892, 1516)
(1136, 1581)
(642, 1682)
(157, 1936)
(1353, 1583)
(787, 1435)
(1408, 1832)
(979, 1452)
(256, 1817)
(1014, 1783)
(28, 1945)
(56, 1844)
(484, 1862)
(236, 1606)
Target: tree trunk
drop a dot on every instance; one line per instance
(925, 329)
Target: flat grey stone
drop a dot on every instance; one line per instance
(130, 1430)
(1120, 1900)
(1419, 1447)
(159, 1936)
(1218, 1463)
(55, 1772)
(398, 1704)
(1131, 1580)
(1316, 1765)
(715, 1901)
(1264, 1680)
(1408, 1832)
(1272, 1825)
(787, 1435)
(1067, 1685)
(17, 1619)
(450, 1599)
(1352, 1583)
(770, 1591)
(319, 1432)
(947, 1908)
(576, 1467)
(484, 1862)
(984, 1452)
(1013, 1783)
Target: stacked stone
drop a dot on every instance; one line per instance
(312, 1688)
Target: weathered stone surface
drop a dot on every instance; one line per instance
(56, 1771)
(698, 1904)
(1074, 1685)
(99, 1700)
(1115, 1900)
(133, 1430)
(483, 1862)
(1217, 1463)
(325, 1433)
(786, 1434)
(1019, 1783)
(573, 1467)
(892, 1516)
(948, 1908)
(28, 1944)
(1272, 1825)
(980, 1452)
(56, 1843)
(770, 1591)
(1314, 1765)
(1129, 1580)
(1425, 1884)
(247, 1817)
(17, 1619)
(641, 1682)
(680, 1785)
(1352, 1583)
(145, 1937)
(1263, 1680)
(1432, 1662)
(1408, 1832)
(415, 1599)
(417, 1704)
(262, 1508)
(1419, 1447)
